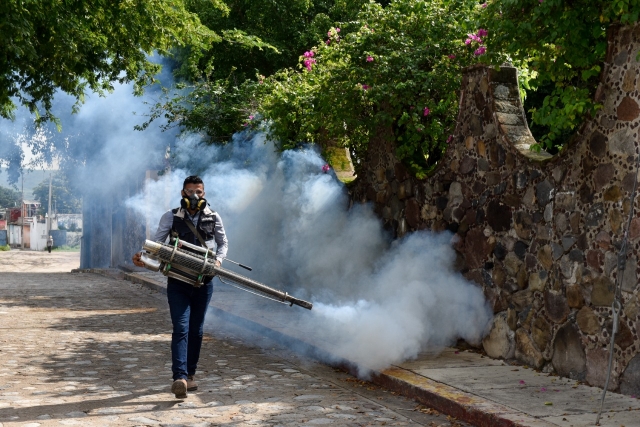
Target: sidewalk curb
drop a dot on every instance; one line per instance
(442, 397)
(452, 401)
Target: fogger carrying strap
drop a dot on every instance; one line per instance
(195, 232)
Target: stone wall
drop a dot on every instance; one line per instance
(539, 234)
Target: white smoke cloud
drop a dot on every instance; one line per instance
(376, 302)
(97, 146)
(414, 302)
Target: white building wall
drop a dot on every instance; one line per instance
(14, 235)
(38, 236)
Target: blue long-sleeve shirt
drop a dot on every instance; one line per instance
(219, 236)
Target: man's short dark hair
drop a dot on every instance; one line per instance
(193, 179)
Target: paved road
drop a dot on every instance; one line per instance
(83, 349)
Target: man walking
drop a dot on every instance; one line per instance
(194, 222)
(49, 243)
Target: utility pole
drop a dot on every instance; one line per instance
(22, 210)
(49, 207)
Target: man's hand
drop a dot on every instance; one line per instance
(218, 263)
(137, 259)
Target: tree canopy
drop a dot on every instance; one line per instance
(78, 45)
(63, 198)
(387, 63)
(314, 70)
(397, 65)
(9, 198)
(264, 36)
(218, 94)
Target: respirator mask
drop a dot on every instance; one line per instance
(192, 201)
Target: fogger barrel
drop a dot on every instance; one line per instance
(197, 269)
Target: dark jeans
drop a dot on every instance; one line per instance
(188, 306)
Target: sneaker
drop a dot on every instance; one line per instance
(179, 388)
(191, 383)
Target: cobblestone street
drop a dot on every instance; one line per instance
(83, 349)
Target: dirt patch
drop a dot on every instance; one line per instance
(18, 261)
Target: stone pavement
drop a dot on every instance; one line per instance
(464, 384)
(93, 350)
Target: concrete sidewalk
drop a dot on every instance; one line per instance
(463, 384)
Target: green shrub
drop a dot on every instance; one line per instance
(397, 67)
(559, 46)
(65, 248)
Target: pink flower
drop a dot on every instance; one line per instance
(467, 41)
(521, 381)
(449, 139)
(245, 124)
(329, 33)
(250, 117)
(426, 111)
(484, 5)
(369, 58)
(482, 32)
(452, 56)
(308, 63)
(474, 37)
(480, 51)
(308, 54)
(326, 168)
(365, 87)
(540, 1)
(328, 42)
(337, 30)
(543, 389)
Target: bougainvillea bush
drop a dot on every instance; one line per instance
(397, 66)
